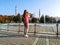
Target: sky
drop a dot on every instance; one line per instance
(47, 7)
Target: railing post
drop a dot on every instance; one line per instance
(57, 29)
(35, 29)
(8, 27)
(19, 28)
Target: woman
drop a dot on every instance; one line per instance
(26, 22)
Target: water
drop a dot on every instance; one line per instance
(16, 26)
(5, 26)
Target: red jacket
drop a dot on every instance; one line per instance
(26, 18)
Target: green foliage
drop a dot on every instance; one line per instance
(34, 20)
(47, 19)
(17, 18)
(41, 19)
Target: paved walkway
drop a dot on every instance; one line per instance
(13, 38)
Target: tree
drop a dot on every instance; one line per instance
(47, 18)
(17, 18)
(41, 19)
(34, 20)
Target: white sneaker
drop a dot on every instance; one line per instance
(26, 35)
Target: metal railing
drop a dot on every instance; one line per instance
(33, 28)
